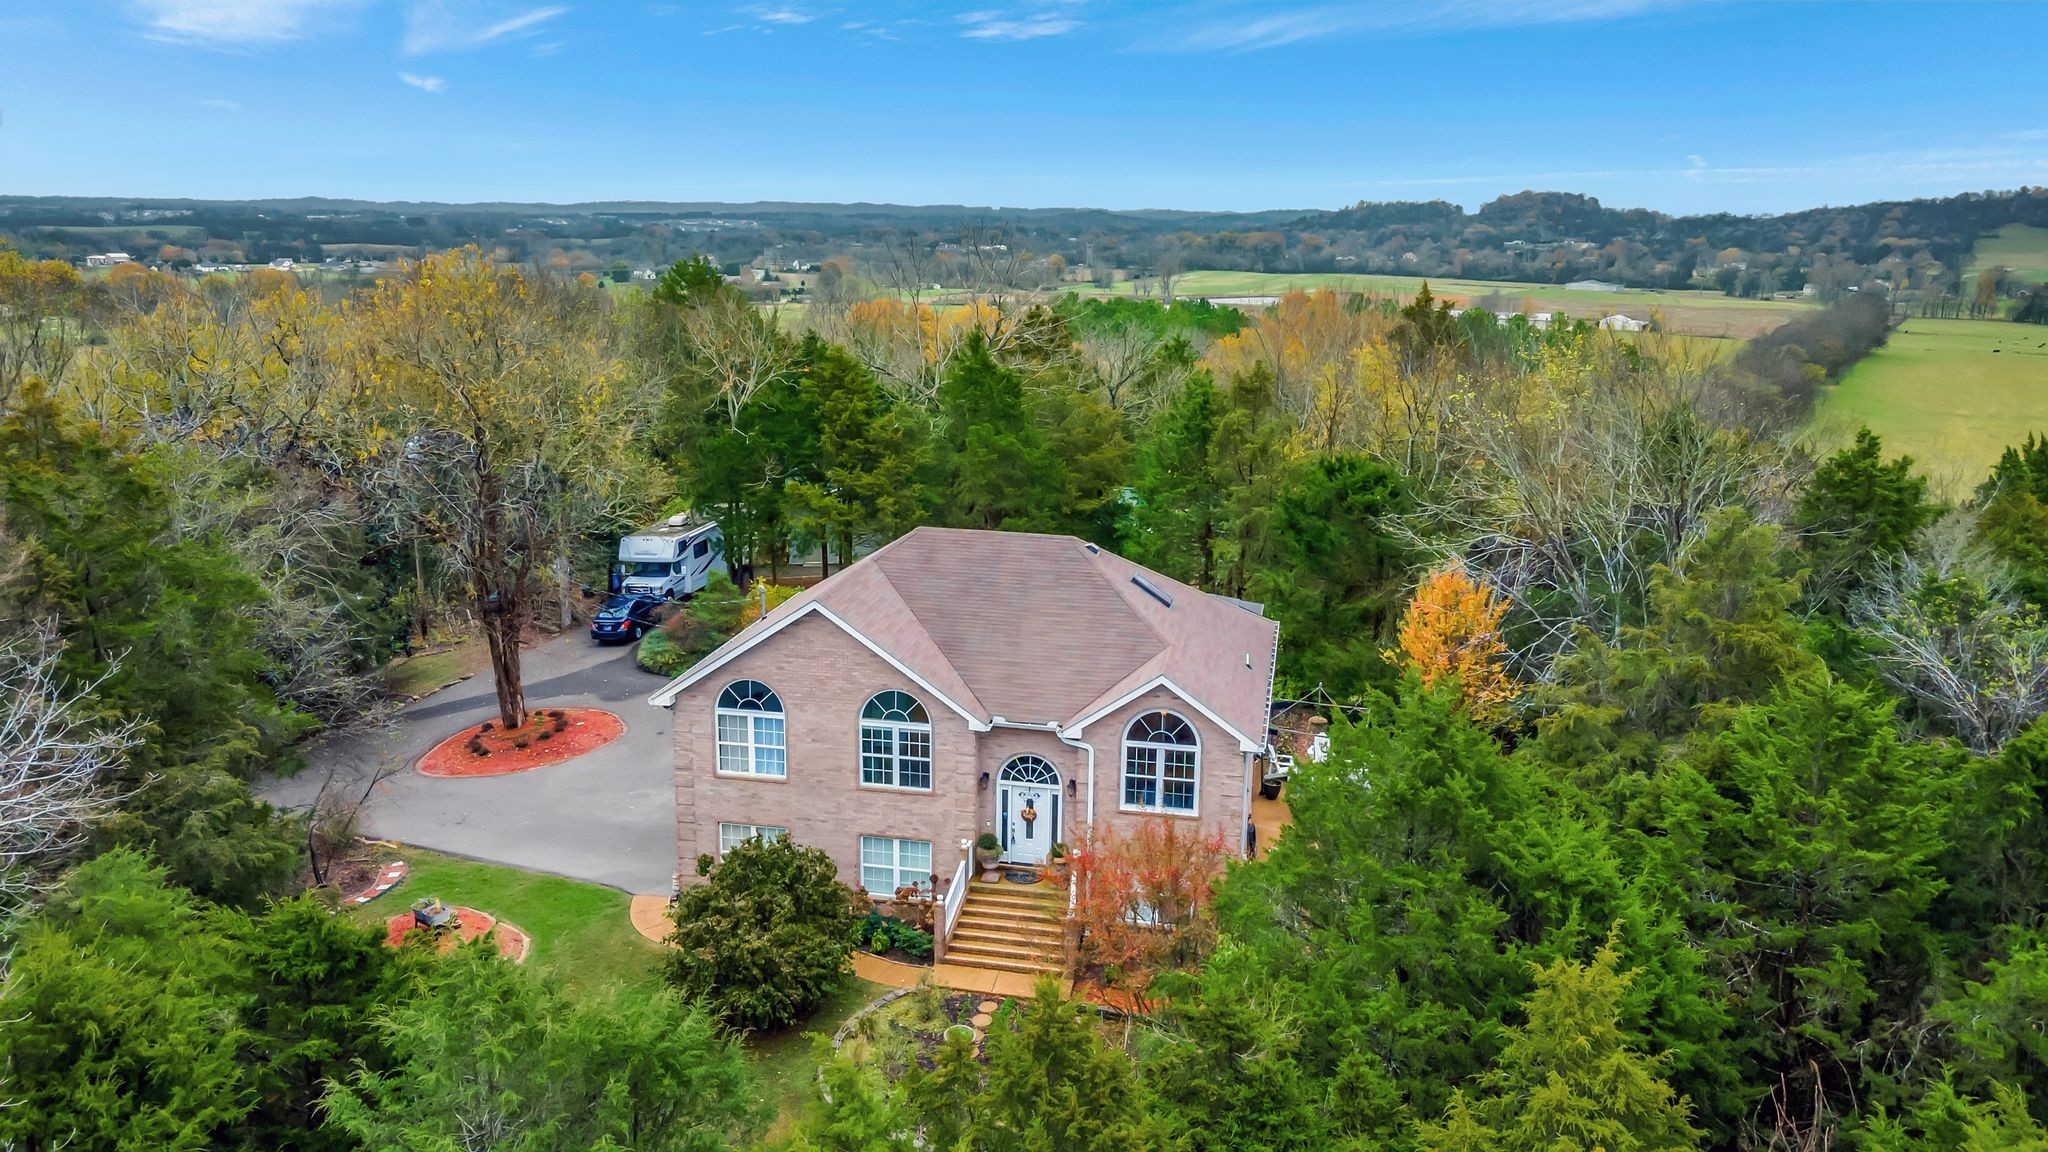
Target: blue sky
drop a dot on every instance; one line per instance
(1678, 106)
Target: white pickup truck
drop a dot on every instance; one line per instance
(671, 559)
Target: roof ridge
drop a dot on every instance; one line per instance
(1091, 556)
(882, 572)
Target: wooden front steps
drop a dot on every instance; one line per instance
(1011, 928)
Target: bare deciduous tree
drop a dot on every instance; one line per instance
(55, 764)
(1947, 630)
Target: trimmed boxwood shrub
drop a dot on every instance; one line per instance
(766, 938)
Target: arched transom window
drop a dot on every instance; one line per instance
(1030, 770)
(751, 737)
(895, 742)
(1162, 762)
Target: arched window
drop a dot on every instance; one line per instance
(1162, 761)
(750, 731)
(1030, 770)
(895, 742)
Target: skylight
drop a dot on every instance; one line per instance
(1151, 591)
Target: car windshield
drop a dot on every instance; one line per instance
(618, 605)
(646, 568)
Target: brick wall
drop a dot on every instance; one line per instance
(824, 677)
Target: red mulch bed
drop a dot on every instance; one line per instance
(513, 943)
(587, 729)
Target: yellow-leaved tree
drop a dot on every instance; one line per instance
(497, 421)
(1452, 628)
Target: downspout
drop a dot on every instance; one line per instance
(1059, 735)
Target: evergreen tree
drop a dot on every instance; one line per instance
(1858, 510)
(855, 1112)
(1814, 833)
(1333, 573)
(1054, 1086)
(1570, 1077)
(488, 1055)
(993, 467)
(867, 474)
(163, 626)
(119, 1023)
(765, 939)
(1174, 523)
(314, 981)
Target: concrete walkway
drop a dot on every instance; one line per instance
(608, 817)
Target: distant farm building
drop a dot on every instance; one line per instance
(1591, 286)
(1620, 323)
(107, 259)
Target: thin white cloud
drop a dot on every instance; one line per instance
(1250, 28)
(424, 83)
(777, 14)
(230, 24)
(432, 27)
(997, 25)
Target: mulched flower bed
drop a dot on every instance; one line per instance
(513, 943)
(550, 736)
(386, 879)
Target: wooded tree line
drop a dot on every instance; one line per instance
(1714, 760)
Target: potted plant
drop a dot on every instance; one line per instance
(987, 850)
(1056, 862)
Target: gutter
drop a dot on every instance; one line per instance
(1057, 734)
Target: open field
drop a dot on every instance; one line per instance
(1951, 393)
(1700, 313)
(2020, 247)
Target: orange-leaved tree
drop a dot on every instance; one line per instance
(1142, 899)
(1452, 628)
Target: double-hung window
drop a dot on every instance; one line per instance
(895, 742)
(751, 734)
(1162, 759)
(887, 864)
(731, 836)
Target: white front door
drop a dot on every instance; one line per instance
(1028, 810)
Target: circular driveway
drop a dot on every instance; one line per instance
(608, 816)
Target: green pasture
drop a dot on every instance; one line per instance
(1700, 313)
(2020, 247)
(1950, 393)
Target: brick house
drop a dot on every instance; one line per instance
(959, 682)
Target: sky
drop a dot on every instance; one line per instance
(1708, 105)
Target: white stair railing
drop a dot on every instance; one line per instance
(956, 895)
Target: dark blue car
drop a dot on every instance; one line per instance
(625, 618)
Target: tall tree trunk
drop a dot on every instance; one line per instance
(419, 590)
(562, 590)
(501, 630)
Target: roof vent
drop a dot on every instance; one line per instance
(1151, 591)
(1092, 549)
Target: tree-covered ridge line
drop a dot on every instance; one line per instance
(1686, 790)
(1920, 245)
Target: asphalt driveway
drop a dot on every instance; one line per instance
(608, 816)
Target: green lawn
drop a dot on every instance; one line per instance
(2021, 247)
(582, 933)
(1700, 313)
(1952, 393)
(418, 675)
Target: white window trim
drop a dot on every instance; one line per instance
(753, 745)
(753, 830)
(1123, 769)
(896, 749)
(896, 843)
(1078, 726)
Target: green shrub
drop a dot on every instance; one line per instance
(766, 938)
(660, 655)
(895, 933)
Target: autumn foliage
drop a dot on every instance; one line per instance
(1452, 628)
(1142, 899)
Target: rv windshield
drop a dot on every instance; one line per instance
(646, 568)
